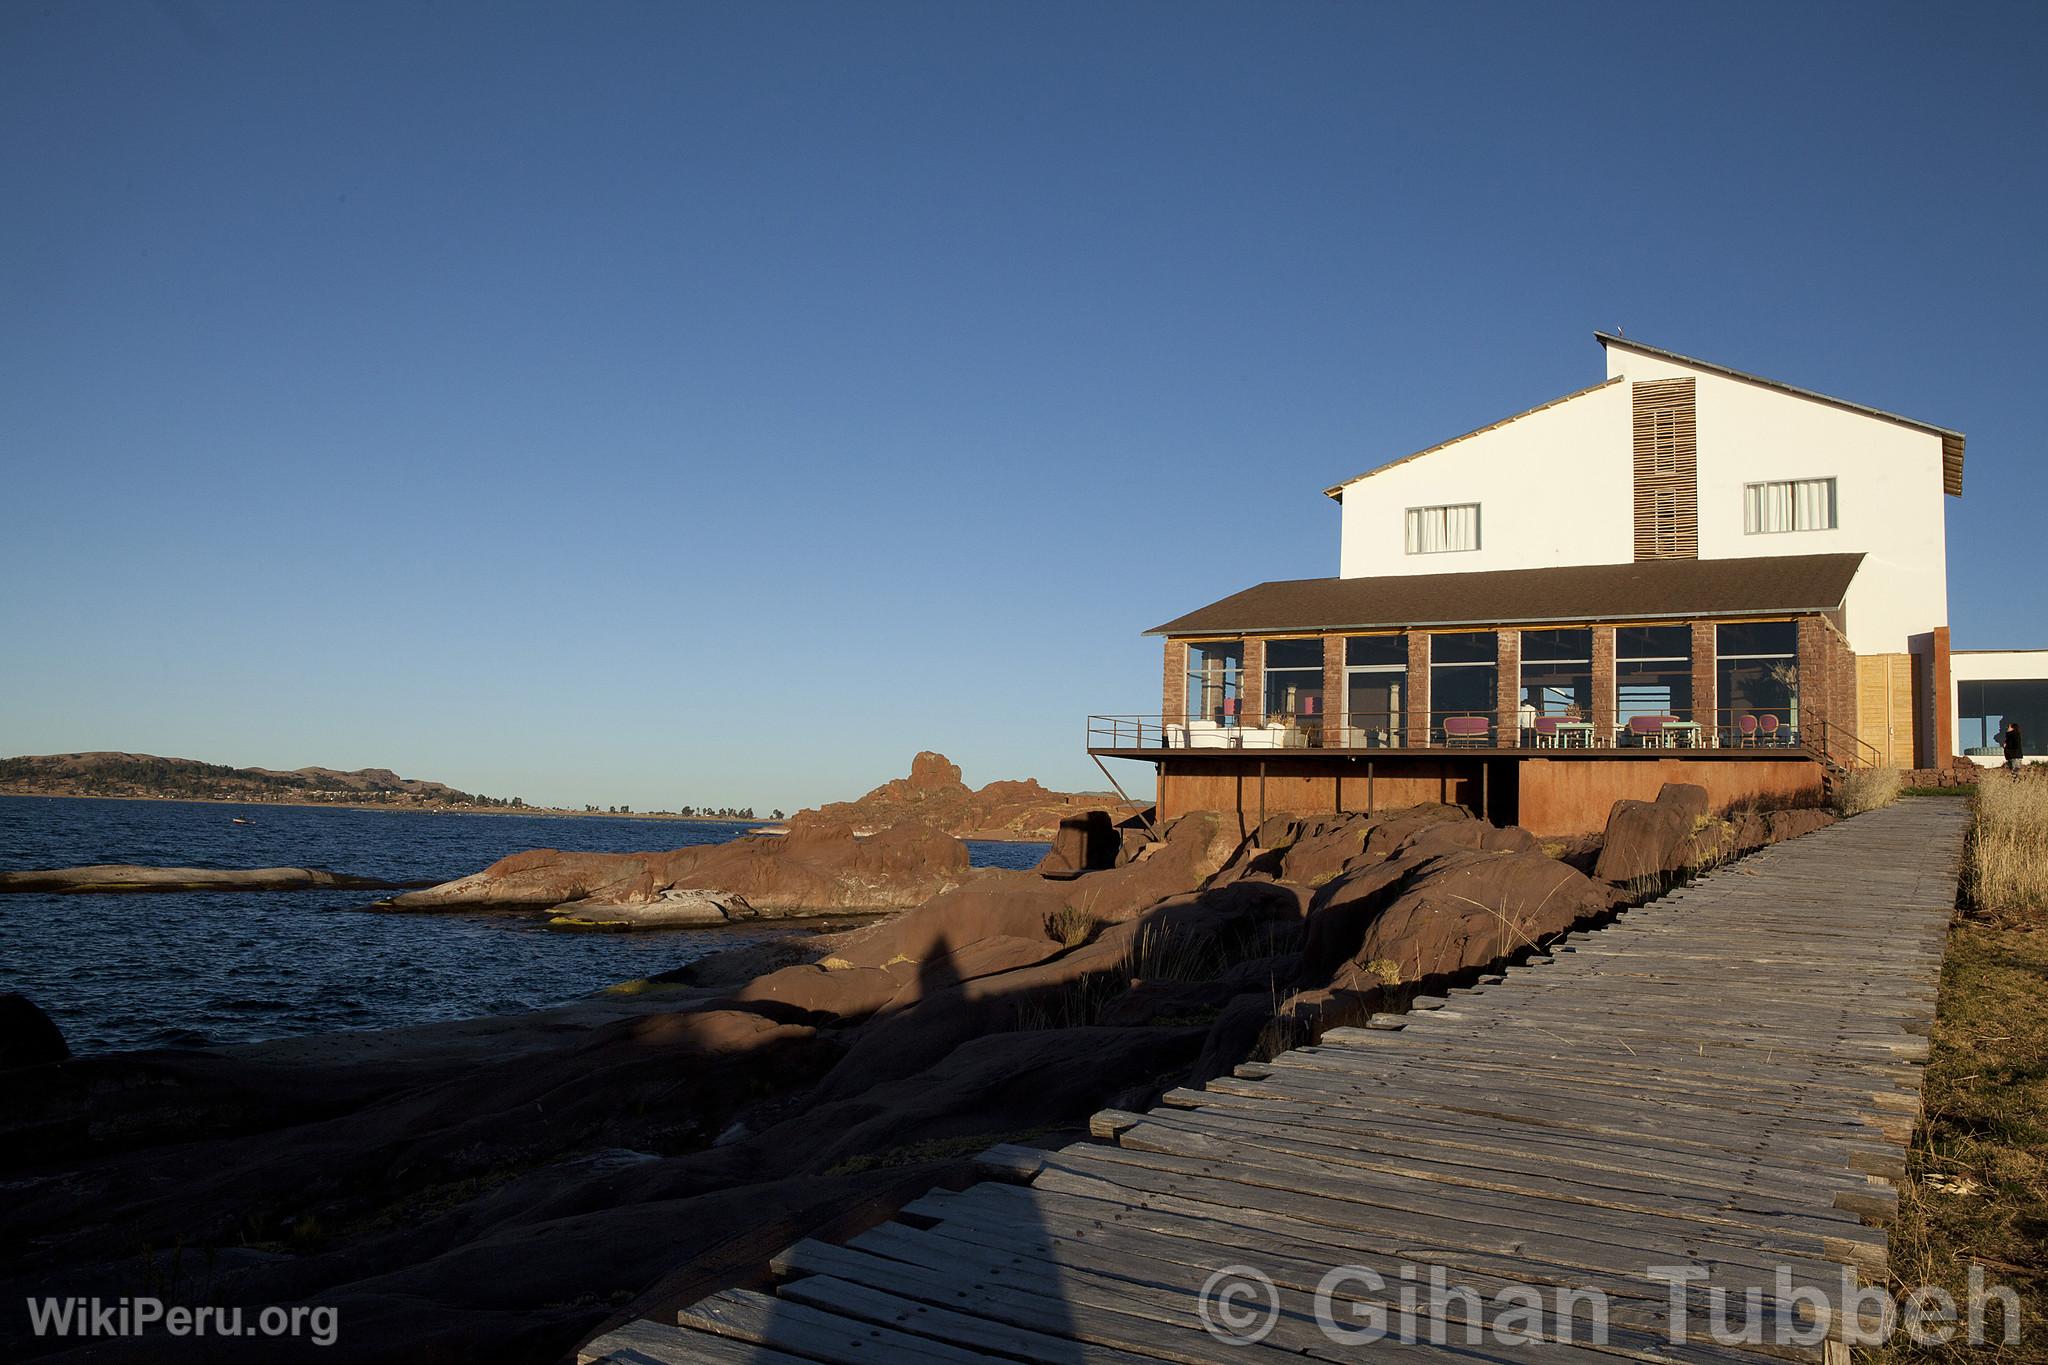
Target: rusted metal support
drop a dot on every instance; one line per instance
(1126, 795)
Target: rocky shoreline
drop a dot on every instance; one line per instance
(117, 877)
(499, 1189)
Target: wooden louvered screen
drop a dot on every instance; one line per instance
(1887, 710)
(1667, 464)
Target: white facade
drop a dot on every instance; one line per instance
(1555, 486)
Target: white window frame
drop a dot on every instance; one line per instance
(1413, 526)
(1753, 495)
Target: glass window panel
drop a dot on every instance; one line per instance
(1651, 689)
(1294, 654)
(1455, 691)
(1570, 646)
(1367, 651)
(1563, 690)
(1653, 642)
(1464, 647)
(1215, 675)
(2022, 701)
(1757, 637)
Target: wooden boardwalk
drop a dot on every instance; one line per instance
(1717, 1089)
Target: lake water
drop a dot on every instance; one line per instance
(194, 969)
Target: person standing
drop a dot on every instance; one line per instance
(2014, 747)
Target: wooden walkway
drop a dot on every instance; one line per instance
(1720, 1085)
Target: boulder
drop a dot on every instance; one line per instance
(818, 869)
(1647, 842)
(131, 877)
(675, 908)
(934, 797)
(28, 1037)
(1088, 842)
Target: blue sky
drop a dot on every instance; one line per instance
(666, 403)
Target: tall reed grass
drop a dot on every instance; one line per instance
(2008, 865)
(1866, 789)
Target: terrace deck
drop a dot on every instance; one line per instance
(1723, 1081)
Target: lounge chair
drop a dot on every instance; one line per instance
(1467, 730)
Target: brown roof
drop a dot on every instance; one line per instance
(1642, 591)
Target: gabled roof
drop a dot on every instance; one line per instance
(1951, 441)
(1336, 490)
(1647, 590)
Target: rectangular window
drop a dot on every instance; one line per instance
(1294, 686)
(1375, 691)
(1987, 706)
(1463, 673)
(1434, 530)
(1652, 678)
(1557, 679)
(1788, 505)
(1215, 674)
(1756, 671)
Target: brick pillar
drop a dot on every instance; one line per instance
(1251, 687)
(1333, 692)
(1418, 688)
(1814, 670)
(1706, 706)
(1508, 688)
(1827, 687)
(1173, 691)
(1603, 685)
(1942, 687)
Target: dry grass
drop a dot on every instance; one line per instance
(1979, 1189)
(1069, 926)
(1867, 789)
(2007, 868)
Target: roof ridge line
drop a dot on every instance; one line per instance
(1334, 489)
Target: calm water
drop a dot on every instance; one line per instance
(196, 969)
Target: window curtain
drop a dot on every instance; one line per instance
(1794, 505)
(1810, 509)
(1435, 529)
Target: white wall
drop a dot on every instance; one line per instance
(1555, 487)
(1888, 494)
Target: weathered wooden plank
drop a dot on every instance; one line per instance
(747, 1316)
(653, 1343)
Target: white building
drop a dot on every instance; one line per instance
(1993, 686)
(1675, 458)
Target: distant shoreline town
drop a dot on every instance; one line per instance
(147, 777)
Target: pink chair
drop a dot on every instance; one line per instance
(1466, 729)
(1546, 732)
(1648, 731)
(1767, 730)
(1745, 730)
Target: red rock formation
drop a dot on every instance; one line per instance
(812, 870)
(933, 795)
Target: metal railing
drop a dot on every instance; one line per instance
(1785, 728)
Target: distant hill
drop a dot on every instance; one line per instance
(115, 774)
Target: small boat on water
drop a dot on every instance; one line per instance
(238, 820)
